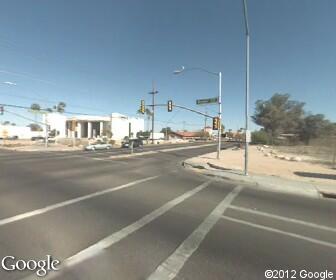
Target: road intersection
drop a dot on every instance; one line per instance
(146, 217)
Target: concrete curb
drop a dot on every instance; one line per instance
(267, 183)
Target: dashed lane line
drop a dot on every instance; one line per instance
(70, 201)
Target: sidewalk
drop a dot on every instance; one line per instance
(290, 175)
(40, 147)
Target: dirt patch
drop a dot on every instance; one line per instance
(262, 164)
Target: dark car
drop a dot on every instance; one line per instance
(34, 138)
(137, 143)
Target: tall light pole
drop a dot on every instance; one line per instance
(219, 75)
(153, 92)
(247, 88)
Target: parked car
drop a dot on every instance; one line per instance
(34, 138)
(98, 145)
(137, 143)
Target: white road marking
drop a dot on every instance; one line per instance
(115, 237)
(36, 156)
(298, 236)
(158, 151)
(282, 218)
(174, 263)
(185, 148)
(71, 201)
(133, 155)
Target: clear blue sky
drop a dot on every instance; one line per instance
(101, 56)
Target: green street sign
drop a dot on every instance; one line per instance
(207, 101)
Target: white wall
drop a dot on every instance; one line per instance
(56, 121)
(120, 125)
(22, 132)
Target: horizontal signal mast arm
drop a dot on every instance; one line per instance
(185, 108)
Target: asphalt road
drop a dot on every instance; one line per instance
(147, 217)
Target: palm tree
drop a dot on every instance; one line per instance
(60, 107)
(35, 109)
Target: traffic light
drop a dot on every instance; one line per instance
(1, 110)
(170, 105)
(142, 107)
(215, 123)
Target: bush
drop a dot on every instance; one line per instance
(260, 137)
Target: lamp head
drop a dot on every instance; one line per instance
(179, 71)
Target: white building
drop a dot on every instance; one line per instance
(19, 132)
(94, 126)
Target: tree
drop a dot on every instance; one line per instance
(35, 107)
(167, 130)
(35, 127)
(259, 137)
(143, 134)
(60, 108)
(313, 126)
(279, 114)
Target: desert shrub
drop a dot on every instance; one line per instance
(260, 137)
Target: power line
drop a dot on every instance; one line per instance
(49, 101)
(42, 110)
(23, 117)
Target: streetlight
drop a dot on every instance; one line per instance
(247, 88)
(219, 75)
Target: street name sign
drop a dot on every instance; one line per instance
(207, 101)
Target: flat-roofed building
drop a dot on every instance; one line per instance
(115, 126)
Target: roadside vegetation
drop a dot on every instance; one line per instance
(287, 125)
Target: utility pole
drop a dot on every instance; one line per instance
(219, 114)
(153, 92)
(46, 131)
(247, 88)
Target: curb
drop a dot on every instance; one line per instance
(266, 183)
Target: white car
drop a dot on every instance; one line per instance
(98, 146)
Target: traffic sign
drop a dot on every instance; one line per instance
(207, 101)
